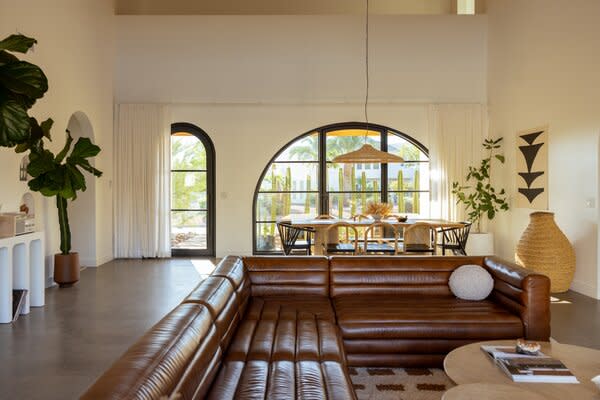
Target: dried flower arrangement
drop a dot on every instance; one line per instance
(377, 210)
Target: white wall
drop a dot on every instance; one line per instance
(543, 69)
(255, 83)
(299, 59)
(75, 50)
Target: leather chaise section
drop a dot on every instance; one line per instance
(178, 354)
(287, 337)
(282, 380)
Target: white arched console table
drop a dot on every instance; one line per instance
(21, 267)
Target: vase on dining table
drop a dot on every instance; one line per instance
(544, 248)
(377, 217)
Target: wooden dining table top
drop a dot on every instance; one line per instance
(305, 222)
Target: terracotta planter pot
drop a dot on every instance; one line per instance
(543, 248)
(66, 269)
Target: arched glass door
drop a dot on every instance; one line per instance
(192, 192)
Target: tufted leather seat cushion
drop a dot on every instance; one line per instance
(257, 379)
(290, 307)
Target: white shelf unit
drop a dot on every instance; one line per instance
(21, 267)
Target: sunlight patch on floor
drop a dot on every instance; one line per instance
(556, 300)
(203, 267)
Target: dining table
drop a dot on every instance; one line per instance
(320, 227)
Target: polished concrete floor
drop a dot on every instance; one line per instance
(57, 351)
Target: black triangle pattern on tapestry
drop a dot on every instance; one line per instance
(530, 137)
(531, 194)
(530, 152)
(529, 177)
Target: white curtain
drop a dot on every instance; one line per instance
(456, 134)
(142, 181)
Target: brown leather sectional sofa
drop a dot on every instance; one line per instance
(288, 327)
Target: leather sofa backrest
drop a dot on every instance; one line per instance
(179, 355)
(218, 295)
(377, 275)
(232, 268)
(289, 276)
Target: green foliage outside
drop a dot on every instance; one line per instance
(188, 189)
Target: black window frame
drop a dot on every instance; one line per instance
(322, 192)
(209, 148)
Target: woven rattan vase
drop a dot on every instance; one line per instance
(545, 249)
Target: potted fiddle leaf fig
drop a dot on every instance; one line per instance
(61, 176)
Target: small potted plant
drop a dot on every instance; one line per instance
(481, 199)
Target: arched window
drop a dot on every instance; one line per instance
(301, 179)
(192, 191)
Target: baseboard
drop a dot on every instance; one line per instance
(97, 263)
(585, 289)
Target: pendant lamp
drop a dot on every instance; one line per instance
(367, 153)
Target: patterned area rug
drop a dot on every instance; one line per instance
(399, 383)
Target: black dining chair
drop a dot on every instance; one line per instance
(455, 239)
(290, 234)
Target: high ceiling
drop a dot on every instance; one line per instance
(282, 7)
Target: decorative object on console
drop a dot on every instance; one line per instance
(544, 248)
(481, 199)
(532, 167)
(471, 282)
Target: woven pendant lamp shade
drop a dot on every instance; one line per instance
(367, 154)
(543, 248)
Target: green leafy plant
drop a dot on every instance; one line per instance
(61, 176)
(21, 85)
(478, 195)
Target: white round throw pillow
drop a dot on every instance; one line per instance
(471, 282)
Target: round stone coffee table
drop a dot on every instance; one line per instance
(490, 391)
(469, 364)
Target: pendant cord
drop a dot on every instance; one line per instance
(367, 70)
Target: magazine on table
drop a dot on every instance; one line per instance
(529, 368)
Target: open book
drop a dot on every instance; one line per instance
(529, 368)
